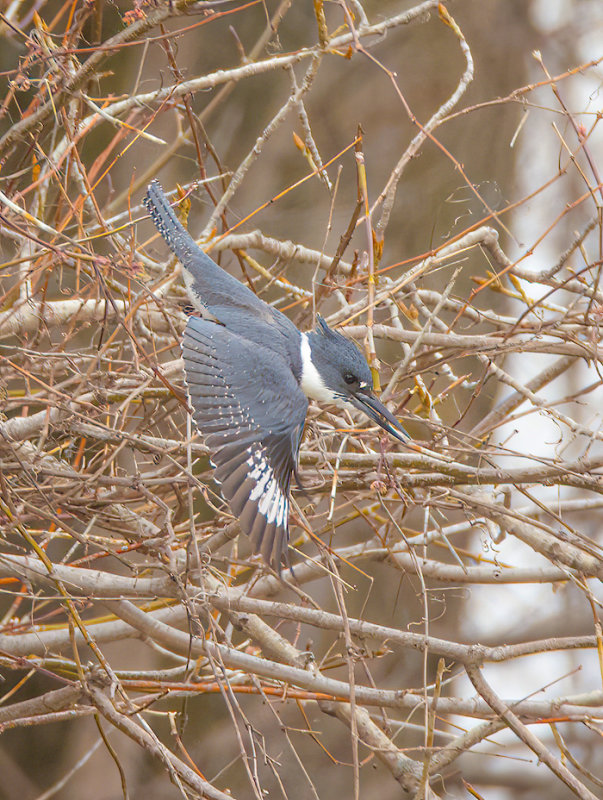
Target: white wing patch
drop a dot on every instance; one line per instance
(272, 503)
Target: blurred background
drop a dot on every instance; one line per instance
(518, 152)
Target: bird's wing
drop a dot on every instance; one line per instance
(251, 411)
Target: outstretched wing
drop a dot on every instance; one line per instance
(251, 411)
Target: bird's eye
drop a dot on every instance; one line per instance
(349, 378)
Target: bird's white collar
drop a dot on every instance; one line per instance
(311, 383)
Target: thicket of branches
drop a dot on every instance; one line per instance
(440, 634)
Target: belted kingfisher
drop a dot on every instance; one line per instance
(249, 372)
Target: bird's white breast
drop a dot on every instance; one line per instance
(312, 384)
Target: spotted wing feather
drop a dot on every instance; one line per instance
(251, 411)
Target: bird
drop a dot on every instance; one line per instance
(249, 373)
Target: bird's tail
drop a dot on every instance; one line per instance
(171, 229)
(210, 287)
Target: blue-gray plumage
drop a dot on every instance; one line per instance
(249, 372)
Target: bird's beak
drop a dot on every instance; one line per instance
(369, 405)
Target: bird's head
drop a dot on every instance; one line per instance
(334, 370)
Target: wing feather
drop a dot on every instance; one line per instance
(247, 403)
